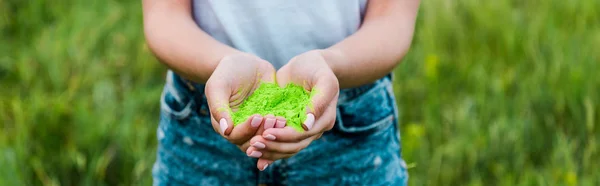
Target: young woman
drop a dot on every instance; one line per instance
(219, 50)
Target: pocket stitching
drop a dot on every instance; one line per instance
(376, 125)
(168, 110)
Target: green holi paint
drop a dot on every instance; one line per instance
(289, 102)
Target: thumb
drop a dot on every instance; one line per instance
(217, 95)
(324, 93)
(262, 164)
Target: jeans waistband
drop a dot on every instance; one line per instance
(197, 90)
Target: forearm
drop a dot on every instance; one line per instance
(178, 42)
(377, 47)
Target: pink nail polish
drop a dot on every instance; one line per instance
(255, 121)
(255, 154)
(280, 124)
(223, 125)
(269, 123)
(269, 137)
(309, 122)
(259, 145)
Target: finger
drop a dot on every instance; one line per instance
(253, 152)
(266, 146)
(244, 131)
(324, 123)
(280, 122)
(269, 121)
(217, 95)
(319, 136)
(243, 147)
(324, 95)
(262, 164)
(222, 126)
(272, 156)
(288, 134)
(265, 123)
(259, 131)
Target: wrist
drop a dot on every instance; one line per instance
(231, 54)
(207, 64)
(334, 58)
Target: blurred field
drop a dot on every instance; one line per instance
(492, 93)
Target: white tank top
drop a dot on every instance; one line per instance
(277, 30)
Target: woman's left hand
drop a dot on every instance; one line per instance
(310, 70)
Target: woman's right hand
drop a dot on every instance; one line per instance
(233, 80)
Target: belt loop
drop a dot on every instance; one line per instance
(189, 85)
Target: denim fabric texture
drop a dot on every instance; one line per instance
(362, 149)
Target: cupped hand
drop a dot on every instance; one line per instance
(232, 81)
(310, 70)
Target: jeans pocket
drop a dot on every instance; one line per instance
(369, 112)
(176, 104)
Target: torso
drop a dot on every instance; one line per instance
(278, 30)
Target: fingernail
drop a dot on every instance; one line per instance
(269, 137)
(280, 124)
(265, 167)
(223, 125)
(255, 154)
(269, 123)
(309, 122)
(256, 121)
(259, 145)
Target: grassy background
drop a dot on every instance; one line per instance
(501, 92)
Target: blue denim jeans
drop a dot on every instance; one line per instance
(362, 149)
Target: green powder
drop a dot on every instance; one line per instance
(289, 102)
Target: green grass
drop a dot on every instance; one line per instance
(492, 92)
